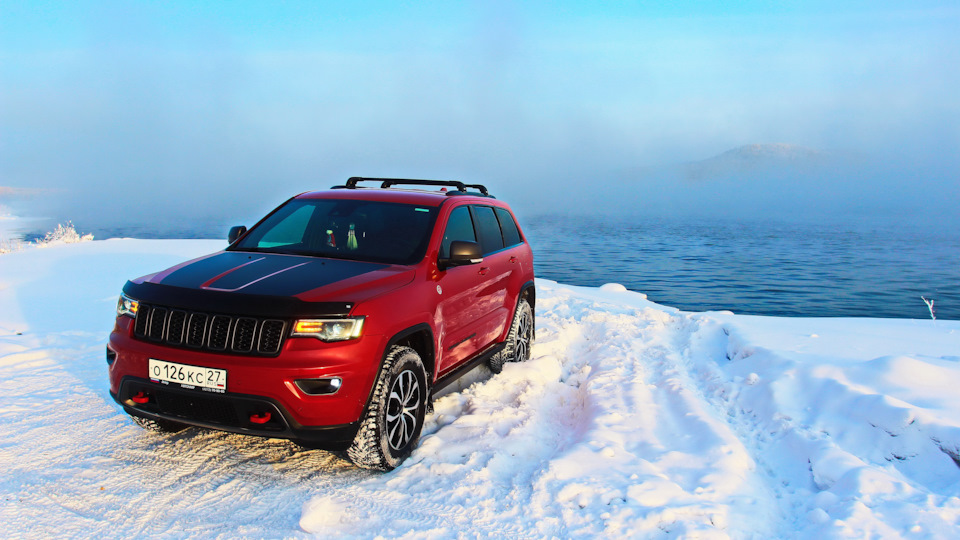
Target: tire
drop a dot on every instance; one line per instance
(519, 340)
(390, 428)
(159, 425)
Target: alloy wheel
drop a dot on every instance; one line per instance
(402, 407)
(522, 345)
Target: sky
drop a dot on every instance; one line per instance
(221, 110)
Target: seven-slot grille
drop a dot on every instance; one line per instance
(224, 333)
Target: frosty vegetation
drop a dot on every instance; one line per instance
(62, 234)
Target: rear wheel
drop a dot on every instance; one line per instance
(519, 340)
(390, 429)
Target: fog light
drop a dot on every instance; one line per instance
(319, 387)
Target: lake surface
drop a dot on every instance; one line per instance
(758, 267)
(849, 268)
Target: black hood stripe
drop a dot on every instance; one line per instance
(230, 303)
(267, 274)
(254, 281)
(252, 284)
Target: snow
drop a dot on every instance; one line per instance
(630, 420)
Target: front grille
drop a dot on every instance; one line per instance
(221, 333)
(243, 334)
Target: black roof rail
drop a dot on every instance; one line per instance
(389, 182)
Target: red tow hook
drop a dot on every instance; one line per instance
(260, 419)
(141, 398)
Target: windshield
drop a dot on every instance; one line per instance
(344, 229)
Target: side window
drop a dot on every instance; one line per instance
(511, 234)
(488, 228)
(459, 227)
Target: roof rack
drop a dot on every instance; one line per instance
(388, 182)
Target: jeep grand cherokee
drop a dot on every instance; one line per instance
(332, 321)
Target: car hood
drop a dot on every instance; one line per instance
(268, 284)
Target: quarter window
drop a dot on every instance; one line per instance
(511, 234)
(488, 229)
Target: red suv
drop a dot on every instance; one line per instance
(332, 321)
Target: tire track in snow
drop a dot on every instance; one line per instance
(678, 466)
(601, 434)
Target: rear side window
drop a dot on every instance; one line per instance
(511, 234)
(488, 228)
(459, 227)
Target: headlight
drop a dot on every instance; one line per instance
(127, 306)
(329, 329)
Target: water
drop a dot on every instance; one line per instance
(843, 269)
(758, 267)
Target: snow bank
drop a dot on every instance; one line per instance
(631, 420)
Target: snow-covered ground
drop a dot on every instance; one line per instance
(631, 420)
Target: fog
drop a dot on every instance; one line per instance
(169, 115)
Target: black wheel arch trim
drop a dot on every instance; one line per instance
(529, 291)
(397, 338)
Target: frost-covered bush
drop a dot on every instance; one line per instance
(63, 234)
(7, 246)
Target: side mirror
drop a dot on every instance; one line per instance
(462, 253)
(235, 232)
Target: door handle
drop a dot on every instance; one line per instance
(514, 259)
(483, 271)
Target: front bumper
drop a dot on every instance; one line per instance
(227, 412)
(255, 385)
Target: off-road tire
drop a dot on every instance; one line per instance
(519, 340)
(159, 425)
(390, 428)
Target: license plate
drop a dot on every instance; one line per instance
(188, 376)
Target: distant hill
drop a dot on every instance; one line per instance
(753, 159)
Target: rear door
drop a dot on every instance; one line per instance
(461, 292)
(495, 272)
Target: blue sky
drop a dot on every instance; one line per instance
(142, 100)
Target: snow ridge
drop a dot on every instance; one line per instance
(847, 462)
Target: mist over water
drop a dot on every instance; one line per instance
(177, 112)
(182, 119)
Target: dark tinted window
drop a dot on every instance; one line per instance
(511, 234)
(488, 228)
(345, 229)
(459, 227)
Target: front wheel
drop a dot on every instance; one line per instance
(519, 340)
(390, 429)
